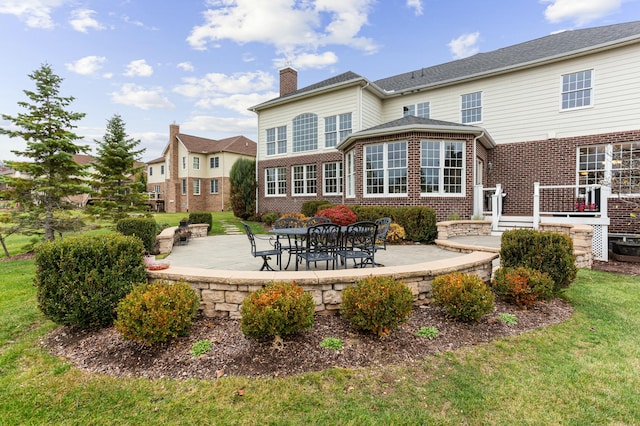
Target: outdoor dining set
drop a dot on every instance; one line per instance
(318, 240)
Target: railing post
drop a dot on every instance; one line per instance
(478, 195)
(536, 205)
(496, 207)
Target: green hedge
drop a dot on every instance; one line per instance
(310, 208)
(419, 222)
(81, 279)
(201, 217)
(141, 227)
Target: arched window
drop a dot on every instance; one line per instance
(305, 132)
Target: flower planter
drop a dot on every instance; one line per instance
(626, 251)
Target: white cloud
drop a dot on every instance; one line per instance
(138, 68)
(134, 95)
(303, 27)
(35, 13)
(87, 65)
(465, 45)
(237, 103)
(218, 84)
(229, 125)
(185, 66)
(82, 19)
(581, 12)
(308, 60)
(415, 4)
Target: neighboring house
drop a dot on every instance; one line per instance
(558, 110)
(80, 200)
(193, 172)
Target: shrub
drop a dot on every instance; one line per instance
(377, 304)
(548, 252)
(310, 208)
(396, 233)
(419, 223)
(465, 297)
(522, 286)
(81, 279)
(141, 227)
(340, 215)
(278, 309)
(202, 217)
(269, 218)
(296, 216)
(157, 312)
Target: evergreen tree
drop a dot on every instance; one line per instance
(120, 183)
(50, 175)
(242, 177)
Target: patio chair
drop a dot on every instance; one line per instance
(381, 234)
(316, 220)
(293, 245)
(358, 243)
(264, 254)
(320, 245)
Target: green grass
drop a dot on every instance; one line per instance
(585, 371)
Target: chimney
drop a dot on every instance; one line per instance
(288, 81)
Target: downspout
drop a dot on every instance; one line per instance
(222, 191)
(475, 174)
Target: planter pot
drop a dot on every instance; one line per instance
(626, 248)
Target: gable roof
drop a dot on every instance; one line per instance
(83, 159)
(235, 144)
(411, 123)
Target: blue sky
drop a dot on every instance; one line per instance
(201, 64)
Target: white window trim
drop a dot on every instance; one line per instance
(608, 169)
(339, 177)
(217, 185)
(441, 194)
(184, 186)
(385, 194)
(196, 187)
(305, 179)
(196, 163)
(350, 174)
(481, 107)
(277, 141)
(279, 179)
(593, 92)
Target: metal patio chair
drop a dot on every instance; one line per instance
(320, 245)
(358, 243)
(264, 254)
(293, 244)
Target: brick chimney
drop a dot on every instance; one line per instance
(172, 181)
(288, 81)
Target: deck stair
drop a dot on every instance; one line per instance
(507, 223)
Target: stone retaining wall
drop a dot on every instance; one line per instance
(167, 237)
(222, 292)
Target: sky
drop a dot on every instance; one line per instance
(202, 63)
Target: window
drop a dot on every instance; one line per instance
(277, 140)
(442, 167)
(156, 189)
(614, 164)
(276, 181)
(162, 169)
(386, 169)
(214, 162)
(350, 160)
(150, 171)
(336, 128)
(305, 132)
(471, 107)
(418, 110)
(213, 186)
(184, 163)
(332, 178)
(576, 90)
(196, 187)
(196, 163)
(184, 187)
(304, 179)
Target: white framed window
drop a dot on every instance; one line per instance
(471, 107)
(196, 187)
(332, 178)
(184, 163)
(196, 163)
(304, 179)
(214, 162)
(150, 171)
(213, 186)
(615, 165)
(576, 90)
(162, 169)
(386, 169)
(275, 181)
(350, 165)
(184, 187)
(418, 110)
(305, 132)
(442, 167)
(277, 140)
(336, 128)
(156, 189)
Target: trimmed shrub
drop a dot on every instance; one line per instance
(340, 215)
(81, 279)
(377, 304)
(154, 313)
(278, 309)
(419, 223)
(296, 216)
(396, 233)
(371, 213)
(310, 208)
(465, 297)
(546, 251)
(141, 227)
(522, 286)
(269, 218)
(201, 217)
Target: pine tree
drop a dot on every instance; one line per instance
(118, 178)
(49, 175)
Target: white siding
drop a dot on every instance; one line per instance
(156, 177)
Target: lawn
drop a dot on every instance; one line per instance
(583, 371)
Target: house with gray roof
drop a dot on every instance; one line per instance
(193, 172)
(559, 110)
